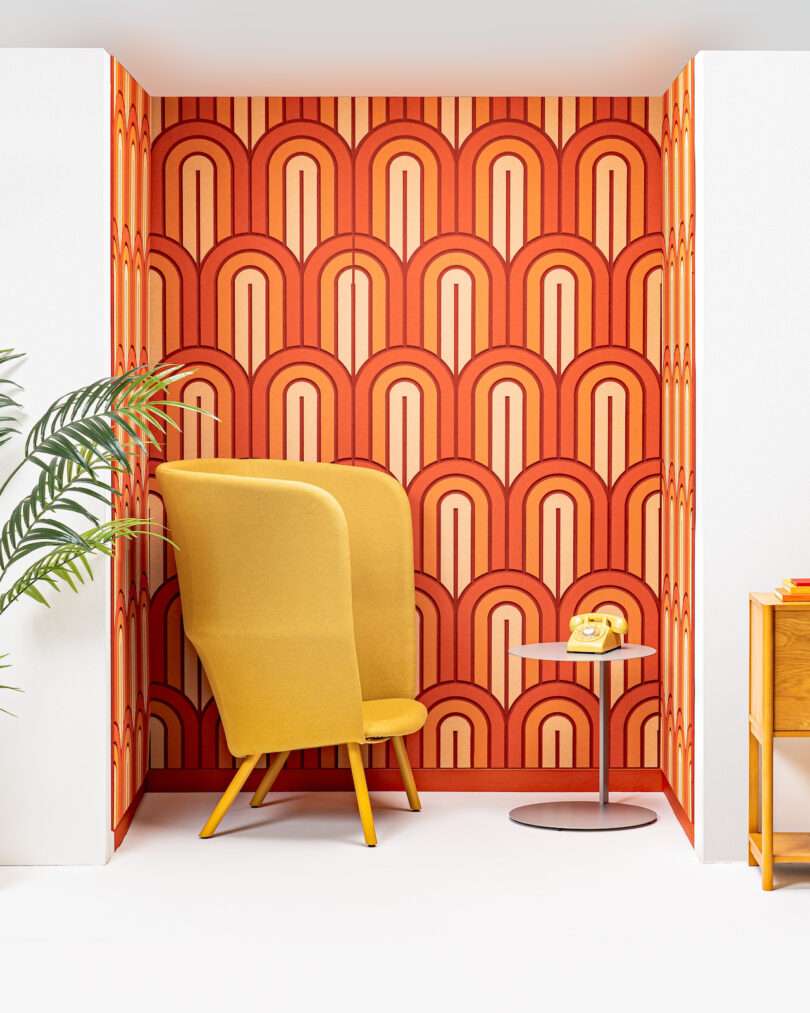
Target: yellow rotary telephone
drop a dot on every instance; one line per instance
(596, 632)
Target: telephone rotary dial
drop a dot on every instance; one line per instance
(596, 632)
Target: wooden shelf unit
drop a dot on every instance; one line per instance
(778, 707)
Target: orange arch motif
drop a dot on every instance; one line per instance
(507, 185)
(559, 299)
(302, 407)
(404, 175)
(507, 411)
(616, 411)
(166, 736)
(637, 317)
(302, 192)
(610, 185)
(434, 621)
(172, 294)
(456, 299)
(249, 302)
(404, 401)
(459, 526)
(353, 300)
(552, 727)
(465, 728)
(497, 611)
(639, 715)
(636, 522)
(199, 196)
(558, 522)
(219, 385)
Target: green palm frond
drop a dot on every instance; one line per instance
(77, 444)
(11, 689)
(67, 565)
(8, 423)
(86, 419)
(80, 444)
(60, 488)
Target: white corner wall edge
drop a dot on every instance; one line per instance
(752, 384)
(55, 306)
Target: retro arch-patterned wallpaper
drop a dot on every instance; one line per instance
(678, 446)
(129, 159)
(466, 292)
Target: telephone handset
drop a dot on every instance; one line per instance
(596, 632)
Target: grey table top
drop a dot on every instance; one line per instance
(556, 652)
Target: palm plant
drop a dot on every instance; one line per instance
(81, 446)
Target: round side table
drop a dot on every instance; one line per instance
(604, 814)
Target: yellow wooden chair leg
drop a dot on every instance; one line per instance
(233, 789)
(361, 791)
(407, 774)
(269, 778)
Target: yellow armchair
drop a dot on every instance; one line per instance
(297, 590)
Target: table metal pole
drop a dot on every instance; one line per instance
(604, 732)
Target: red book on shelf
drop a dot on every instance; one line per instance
(800, 581)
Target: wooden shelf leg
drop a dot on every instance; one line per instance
(767, 813)
(754, 825)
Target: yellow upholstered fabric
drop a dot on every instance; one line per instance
(297, 591)
(383, 719)
(266, 593)
(378, 518)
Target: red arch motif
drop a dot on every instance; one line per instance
(326, 434)
(633, 378)
(221, 323)
(526, 147)
(484, 547)
(537, 704)
(588, 537)
(424, 291)
(223, 193)
(430, 428)
(173, 310)
(485, 719)
(219, 383)
(577, 170)
(528, 614)
(638, 276)
(373, 159)
(556, 336)
(351, 320)
(434, 606)
(273, 183)
(532, 386)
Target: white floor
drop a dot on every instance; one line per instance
(457, 908)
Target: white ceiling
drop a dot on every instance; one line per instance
(416, 47)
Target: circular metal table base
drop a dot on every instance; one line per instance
(583, 816)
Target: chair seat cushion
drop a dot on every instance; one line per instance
(384, 718)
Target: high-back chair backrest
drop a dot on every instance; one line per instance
(265, 579)
(381, 546)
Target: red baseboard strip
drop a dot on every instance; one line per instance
(120, 831)
(686, 824)
(427, 780)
